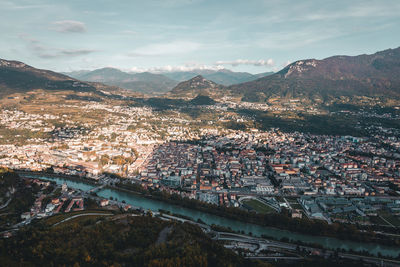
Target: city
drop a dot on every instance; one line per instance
(329, 178)
(200, 133)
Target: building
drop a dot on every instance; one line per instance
(104, 202)
(297, 214)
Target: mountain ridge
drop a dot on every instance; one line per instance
(197, 86)
(16, 76)
(149, 82)
(377, 74)
(140, 82)
(223, 76)
(371, 75)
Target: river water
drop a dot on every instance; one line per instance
(154, 205)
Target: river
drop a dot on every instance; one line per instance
(154, 205)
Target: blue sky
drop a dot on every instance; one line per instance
(156, 35)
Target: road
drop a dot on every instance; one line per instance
(287, 203)
(273, 258)
(374, 260)
(96, 188)
(263, 243)
(386, 221)
(6, 204)
(80, 215)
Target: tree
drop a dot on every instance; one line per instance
(113, 137)
(104, 159)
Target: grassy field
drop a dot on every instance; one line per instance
(87, 218)
(258, 206)
(62, 216)
(394, 220)
(296, 205)
(377, 220)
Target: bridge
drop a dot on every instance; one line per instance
(96, 189)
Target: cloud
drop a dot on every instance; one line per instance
(286, 11)
(129, 32)
(10, 5)
(172, 48)
(173, 3)
(46, 52)
(101, 13)
(261, 62)
(355, 11)
(170, 68)
(284, 64)
(69, 26)
(33, 43)
(66, 52)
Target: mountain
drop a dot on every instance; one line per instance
(223, 77)
(149, 82)
(181, 76)
(101, 75)
(260, 75)
(364, 75)
(197, 86)
(76, 73)
(145, 82)
(18, 77)
(227, 77)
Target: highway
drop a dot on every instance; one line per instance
(268, 244)
(6, 204)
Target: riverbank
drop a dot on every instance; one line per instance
(278, 221)
(150, 202)
(57, 175)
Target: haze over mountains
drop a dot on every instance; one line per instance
(144, 82)
(365, 75)
(224, 77)
(147, 82)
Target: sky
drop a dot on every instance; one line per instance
(171, 35)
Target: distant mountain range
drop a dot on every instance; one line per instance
(140, 82)
(365, 75)
(16, 76)
(147, 82)
(223, 77)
